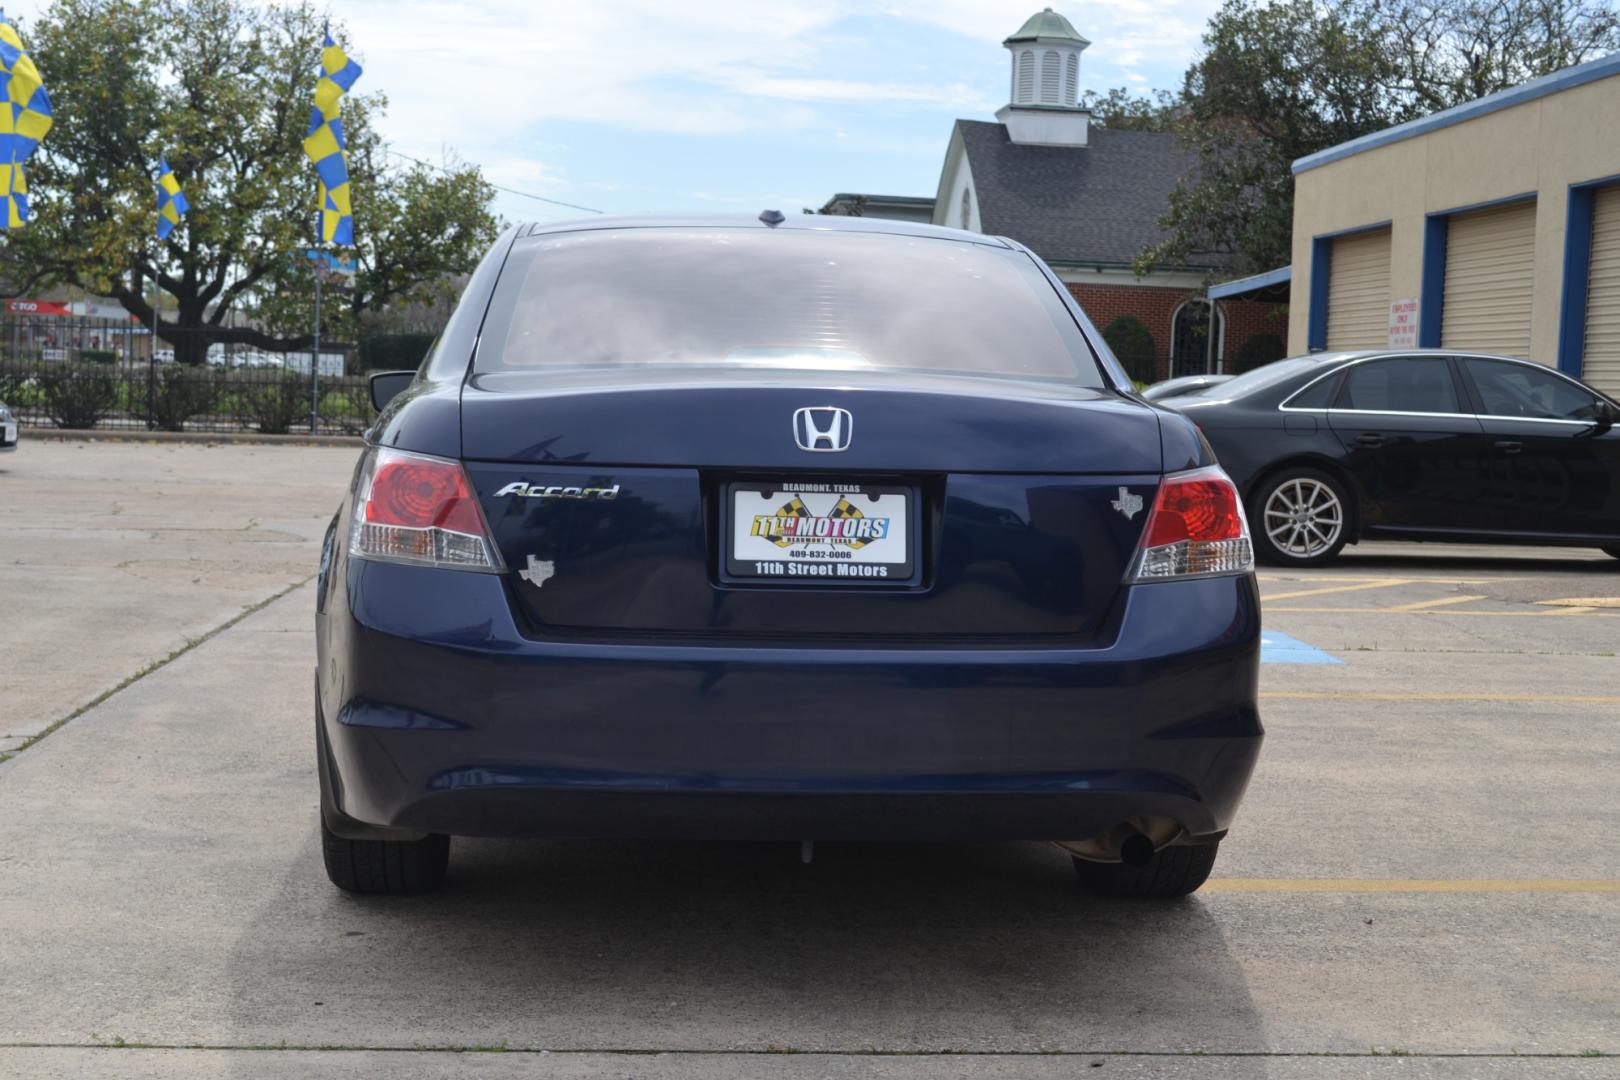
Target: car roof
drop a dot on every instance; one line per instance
(791, 222)
(1364, 354)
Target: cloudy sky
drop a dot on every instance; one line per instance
(646, 105)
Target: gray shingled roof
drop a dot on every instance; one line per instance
(1095, 205)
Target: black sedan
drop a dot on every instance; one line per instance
(787, 529)
(1414, 445)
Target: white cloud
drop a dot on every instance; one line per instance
(478, 74)
(480, 78)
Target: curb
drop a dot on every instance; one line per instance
(195, 437)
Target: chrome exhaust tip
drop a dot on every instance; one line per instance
(1132, 842)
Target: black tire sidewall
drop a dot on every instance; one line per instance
(1267, 552)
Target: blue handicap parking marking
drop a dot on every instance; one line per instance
(1277, 648)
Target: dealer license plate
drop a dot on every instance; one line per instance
(821, 532)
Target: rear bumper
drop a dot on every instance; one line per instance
(437, 715)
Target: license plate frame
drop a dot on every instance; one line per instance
(841, 542)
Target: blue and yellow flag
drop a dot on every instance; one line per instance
(325, 144)
(25, 117)
(172, 204)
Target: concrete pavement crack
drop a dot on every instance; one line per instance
(155, 665)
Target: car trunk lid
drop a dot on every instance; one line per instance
(613, 506)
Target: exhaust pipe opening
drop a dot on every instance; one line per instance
(1132, 842)
(1136, 850)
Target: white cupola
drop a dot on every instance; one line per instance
(1044, 108)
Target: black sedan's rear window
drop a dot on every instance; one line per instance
(786, 299)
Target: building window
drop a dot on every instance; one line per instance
(1071, 80)
(1051, 72)
(1026, 77)
(967, 207)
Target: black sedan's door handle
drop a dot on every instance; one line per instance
(1508, 446)
(1370, 440)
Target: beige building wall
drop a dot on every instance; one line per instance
(1541, 146)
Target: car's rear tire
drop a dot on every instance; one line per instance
(1299, 517)
(394, 867)
(1173, 871)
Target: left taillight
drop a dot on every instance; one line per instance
(412, 508)
(1197, 527)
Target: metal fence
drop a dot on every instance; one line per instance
(90, 374)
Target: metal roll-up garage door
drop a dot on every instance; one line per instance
(1490, 280)
(1358, 292)
(1600, 361)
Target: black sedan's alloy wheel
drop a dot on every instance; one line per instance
(1299, 517)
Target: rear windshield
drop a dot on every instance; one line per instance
(785, 299)
(1261, 377)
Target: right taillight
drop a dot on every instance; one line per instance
(1196, 527)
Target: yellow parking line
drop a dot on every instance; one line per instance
(1426, 605)
(1584, 602)
(1399, 885)
(1382, 583)
(1380, 695)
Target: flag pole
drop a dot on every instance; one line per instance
(151, 354)
(315, 351)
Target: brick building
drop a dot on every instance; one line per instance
(1088, 200)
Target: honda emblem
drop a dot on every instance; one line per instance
(823, 429)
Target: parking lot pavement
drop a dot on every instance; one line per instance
(113, 555)
(1422, 883)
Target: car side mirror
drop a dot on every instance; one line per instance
(387, 385)
(1608, 414)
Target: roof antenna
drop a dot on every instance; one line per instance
(772, 218)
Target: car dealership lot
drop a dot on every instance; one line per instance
(1424, 865)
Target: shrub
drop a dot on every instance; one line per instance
(1133, 345)
(273, 403)
(12, 381)
(346, 404)
(179, 393)
(98, 356)
(1260, 349)
(78, 397)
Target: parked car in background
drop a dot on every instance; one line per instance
(163, 356)
(1414, 445)
(9, 430)
(679, 555)
(1182, 384)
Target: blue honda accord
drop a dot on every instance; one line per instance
(786, 529)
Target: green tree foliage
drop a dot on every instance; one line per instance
(1120, 110)
(223, 87)
(1282, 79)
(1132, 344)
